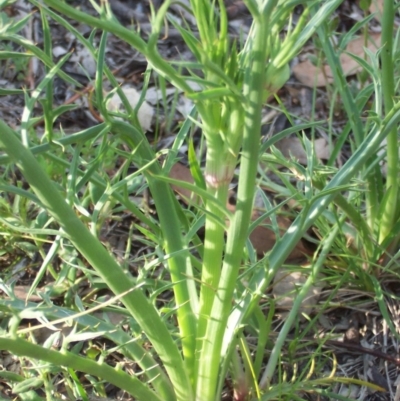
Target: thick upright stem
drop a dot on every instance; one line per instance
(210, 356)
(390, 213)
(218, 174)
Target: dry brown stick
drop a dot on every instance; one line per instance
(351, 346)
(359, 348)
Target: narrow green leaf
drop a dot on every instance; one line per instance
(27, 384)
(195, 168)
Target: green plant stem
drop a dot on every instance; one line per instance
(391, 207)
(210, 355)
(131, 384)
(99, 258)
(214, 245)
(170, 225)
(218, 174)
(220, 163)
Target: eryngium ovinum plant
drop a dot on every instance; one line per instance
(211, 306)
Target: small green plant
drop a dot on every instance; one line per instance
(197, 340)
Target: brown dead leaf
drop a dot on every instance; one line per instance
(287, 284)
(376, 8)
(322, 149)
(114, 318)
(292, 147)
(308, 74)
(21, 292)
(262, 237)
(182, 173)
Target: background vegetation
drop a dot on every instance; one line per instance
(195, 317)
